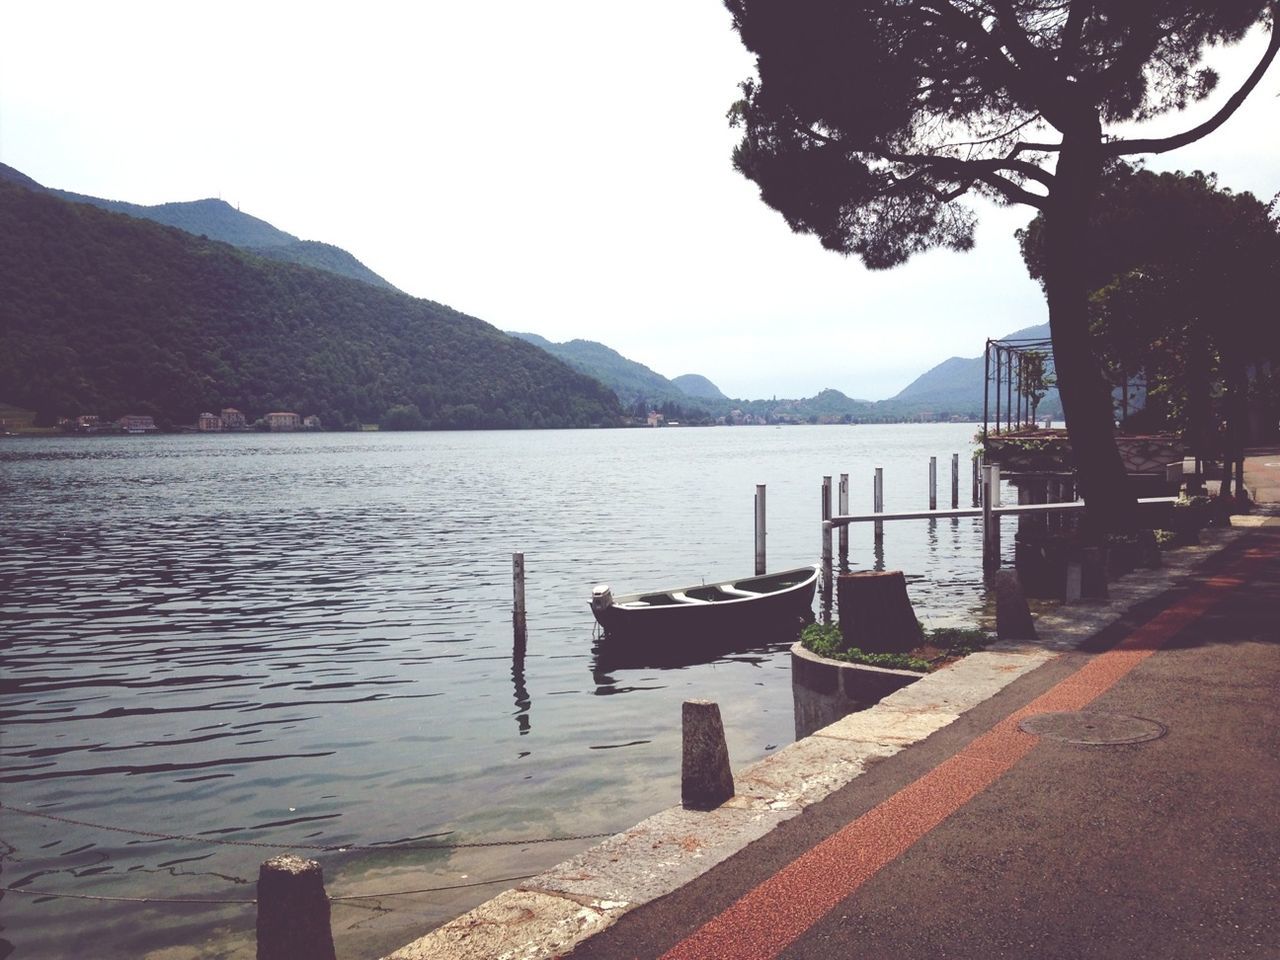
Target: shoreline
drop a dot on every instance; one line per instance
(551, 913)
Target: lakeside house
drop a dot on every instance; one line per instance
(209, 423)
(281, 421)
(137, 423)
(233, 419)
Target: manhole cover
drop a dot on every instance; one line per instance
(1092, 729)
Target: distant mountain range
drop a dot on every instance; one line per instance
(218, 220)
(103, 314)
(955, 386)
(951, 390)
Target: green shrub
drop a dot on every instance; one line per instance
(826, 641)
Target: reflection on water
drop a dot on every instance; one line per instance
(305, 641)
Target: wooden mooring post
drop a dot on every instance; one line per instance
(842, 504)
(828, 577)
(760, 530)
(517, 608)
(877, 501)
(933, 483)
(990, 520)
(827, 562)
(955, 481)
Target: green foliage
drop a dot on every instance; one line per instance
(403, 416)
(873, 125)
(109, 315)
(826, 641)
(1035, 379)
(1186, 276)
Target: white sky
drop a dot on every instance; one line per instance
(559, 167)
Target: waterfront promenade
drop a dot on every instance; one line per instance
(1109, 792)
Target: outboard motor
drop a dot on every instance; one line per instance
(601, 597)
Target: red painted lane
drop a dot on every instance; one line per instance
(765, 920)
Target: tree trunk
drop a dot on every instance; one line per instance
(1237, 418)
(875, 612)
(1085, 393)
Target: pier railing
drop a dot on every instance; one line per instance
(990, 510)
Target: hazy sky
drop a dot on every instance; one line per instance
(557, 167)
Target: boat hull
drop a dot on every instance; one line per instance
(724, 622)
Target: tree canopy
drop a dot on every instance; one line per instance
(873, 124)
(1186, 277)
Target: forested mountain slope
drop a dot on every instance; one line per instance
(107, 314)
(218, 220)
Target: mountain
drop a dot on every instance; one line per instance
(108, 314)
(954, 387)
(695, 385)
(218, 220)
(633, 382)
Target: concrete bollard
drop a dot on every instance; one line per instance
(1093, 573)
(705, 778)
(1013, 616)
(293, 911)
(1075, 582)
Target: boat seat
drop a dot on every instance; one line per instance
(740, 593)
(683, 597)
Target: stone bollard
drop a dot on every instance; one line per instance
(1013, 616)
(1075, 579)
(293, 911)
(1093, 573)
(705, 778)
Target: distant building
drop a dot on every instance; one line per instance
(233, 419)
(311, 422)
(84, 423)
(656, 419)
(280, 422)
(137, 423)
(209, 423)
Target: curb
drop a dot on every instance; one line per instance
(550, 914)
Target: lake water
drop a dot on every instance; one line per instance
(304, 641)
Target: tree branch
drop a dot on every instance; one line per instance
(979, 169)
(1118, 148)
(1022, 145)
(1014, 192)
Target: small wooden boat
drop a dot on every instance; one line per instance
(750, 605)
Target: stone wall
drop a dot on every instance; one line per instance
(825, 690)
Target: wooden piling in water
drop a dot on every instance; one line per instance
(517, 609)
(877, 501)
(760, 530)
(842, 504)
(990, 521)
(955, 481)
(933, 483)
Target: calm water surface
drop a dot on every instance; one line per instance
(305, 641)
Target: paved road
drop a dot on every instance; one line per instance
(986, 841)
(1262, 474)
